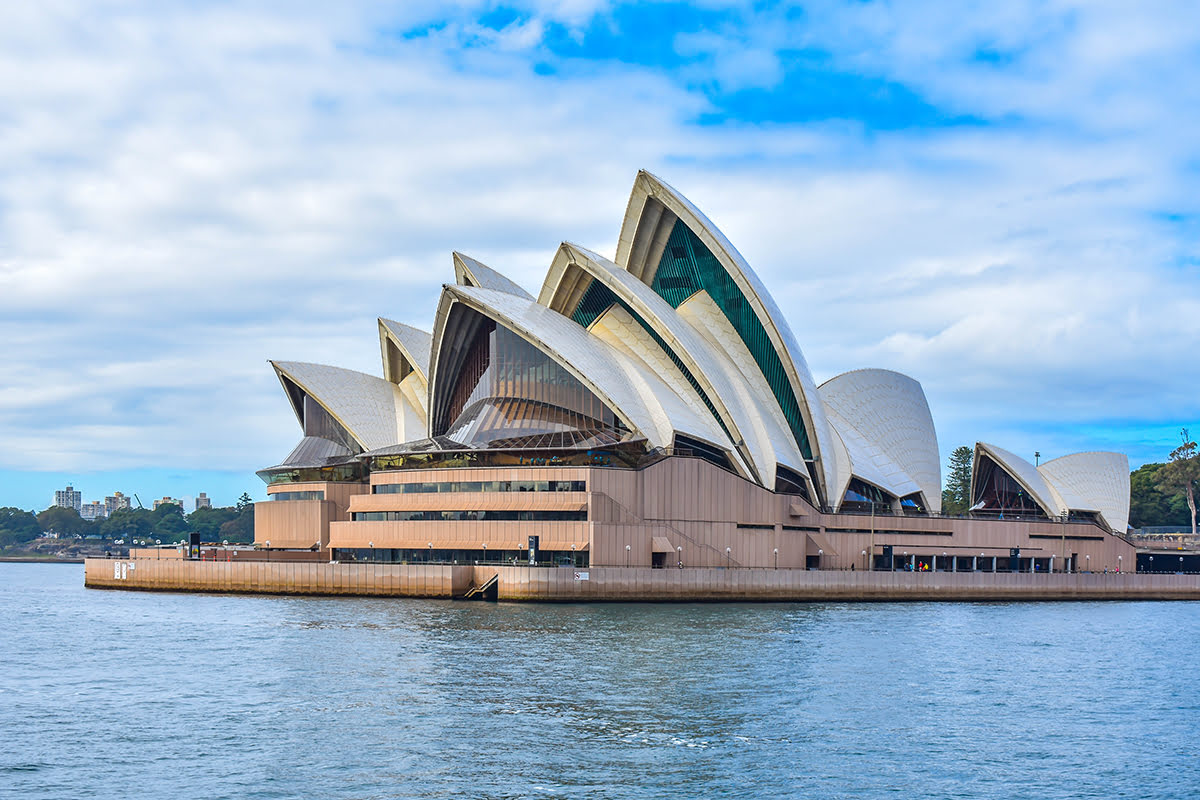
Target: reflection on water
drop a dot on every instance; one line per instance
(110, 694)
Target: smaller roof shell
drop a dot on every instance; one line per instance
(469, 272)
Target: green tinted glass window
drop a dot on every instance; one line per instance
(686, 267)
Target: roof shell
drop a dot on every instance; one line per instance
(469, 272)
(708, 364)
(369, 408)
(632, 393)
(1096, 481)
(414, 345)
(648, 187)
(888, 410)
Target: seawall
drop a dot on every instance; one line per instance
(625, 583)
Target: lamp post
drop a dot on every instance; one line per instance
(872, 562)
(1066, 513)
(268, 544)
(1119, 564)
(943, 563)
(430, 559)
(728, 557)
(776, 558)
(485, 552)
(819, 554)
(679, 552)
(1088, 563)
(157, 550)
(864, 555)
(628, 548)
(905, 554)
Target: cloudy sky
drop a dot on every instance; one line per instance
(999, 199)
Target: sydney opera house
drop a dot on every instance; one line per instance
(653, 410)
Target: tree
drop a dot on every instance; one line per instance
(128, 524)
(17, 526)
(1181, 475)
(63, 521)
(1149, 505)
(956, 497)
(244, 502)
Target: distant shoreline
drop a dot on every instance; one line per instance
(32, 560)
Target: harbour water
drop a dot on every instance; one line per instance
(120, 694)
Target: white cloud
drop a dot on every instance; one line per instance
(186, 192)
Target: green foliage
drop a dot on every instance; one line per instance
(1150, 506)
(17, 526)
(1180, 477)
(956, 497)
(241, 527)
(128, 524)
(244, 502)
(64, 522)
(208, 521)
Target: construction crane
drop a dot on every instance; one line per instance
(139, 501)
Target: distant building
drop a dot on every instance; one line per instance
(170, 500)
(203, 501)
(115, 502)
(69, 498)
(93, 511)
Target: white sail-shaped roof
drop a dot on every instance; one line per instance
(469, 272)
(1097, 482)
(1022, 472)
(643, 402)
(713, 371)
(409, 351)
(371, 410)
(653, 209)
(888, 412)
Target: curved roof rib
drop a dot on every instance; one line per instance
(408, 351)
(1022, 472)
(650, 219)
(712, 375)
(889, 410)
(469, 272)
(642, 401)
(370, 409)
(1097, 482)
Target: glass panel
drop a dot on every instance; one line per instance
(508, 393)
(686, 267)
(311, 495)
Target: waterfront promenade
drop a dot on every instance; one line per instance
(561, 584)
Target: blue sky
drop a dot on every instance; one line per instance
(997, 199)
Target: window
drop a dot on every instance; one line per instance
(470, 516)
(313, 495)
(463, 487)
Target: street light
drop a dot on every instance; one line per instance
(819, 554)
(1118, 563)
(864, 555)
(627, 549)
(268, 548)
(1089, 563)
(776, 558)
(728, 557)
(679, 552)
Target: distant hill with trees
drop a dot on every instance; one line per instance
(167, 523)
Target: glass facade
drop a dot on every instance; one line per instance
(455, 487)
(309, 495)
(386, 555)
(686, 267)
(507, 393)
(470, 516)
(997, 492)
(599, 298)
(627, 455)
(342, 473)
(862, 496)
